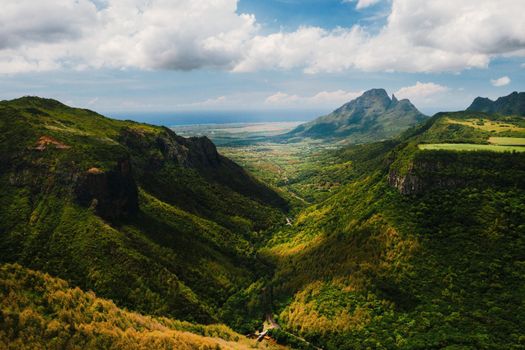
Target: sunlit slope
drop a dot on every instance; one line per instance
(423, 249)
(41, 312)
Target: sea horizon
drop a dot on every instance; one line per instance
(179, 118)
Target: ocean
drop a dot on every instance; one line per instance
(215, 117)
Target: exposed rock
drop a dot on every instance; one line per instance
(45, 141)
(447, 170)
(113, 194)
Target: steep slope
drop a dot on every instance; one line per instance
(370, 117)
(38, 311)
(158, 223)
(513, 104)
(423, 249)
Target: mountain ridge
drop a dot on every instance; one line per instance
(512, 104)
(158, 223)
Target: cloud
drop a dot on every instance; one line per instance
(500, 81)
(323, 98)
(361, 4)
(35, 22)
(212, 102)
(420, 90)
(429, 36)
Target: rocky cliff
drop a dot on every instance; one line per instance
(433, 170)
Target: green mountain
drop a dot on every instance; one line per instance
(421, 249)
(370, 117)
(513, 104)
(158, 223)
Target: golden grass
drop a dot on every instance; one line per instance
(469, 147)
(42, 312)
(508, 141)
(486, 124)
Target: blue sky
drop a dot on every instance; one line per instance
(281, 58)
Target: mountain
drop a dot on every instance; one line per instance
(158, 223)
(421, 249)
(513, 104)
(372, 116)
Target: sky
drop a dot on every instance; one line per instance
(289, 59)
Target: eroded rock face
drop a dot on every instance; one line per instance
(422, 177)
(193, 152)
(448, 170)
(113, 194)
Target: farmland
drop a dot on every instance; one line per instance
(469, 147)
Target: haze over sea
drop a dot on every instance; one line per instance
(216, 117)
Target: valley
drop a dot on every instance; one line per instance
(413, 241)
(269, 175)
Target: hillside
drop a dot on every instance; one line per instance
(158, 223)
(41, 312)
(422, 249)
(370, 117)
(513, 104)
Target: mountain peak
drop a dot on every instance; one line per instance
(371, 116)
(375, 93)
(394, 99)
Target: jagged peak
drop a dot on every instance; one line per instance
(394, 99)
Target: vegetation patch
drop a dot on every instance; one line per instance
(469, 147)
(487, 124)
(507, 141)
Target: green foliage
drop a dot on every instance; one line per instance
(370, 267)
(41, 312)
(186, 250)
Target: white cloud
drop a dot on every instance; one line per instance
(500, 81)
(420, 90)
(361, 4)
(211, 102)
(419, 36)
(323, 98)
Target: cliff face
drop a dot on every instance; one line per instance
(113, 194)
(152, 152)
(429, 170)
(422, 176)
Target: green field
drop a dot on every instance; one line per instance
(507, 141)
(469, 147)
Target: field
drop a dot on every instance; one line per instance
(487, 125)
(507, 141)
(235, 133)
(469, 147)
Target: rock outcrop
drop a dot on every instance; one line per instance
(113, 194)
(429, 170)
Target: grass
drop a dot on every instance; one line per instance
(486, 124)
(508, 141)
(469, 147)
